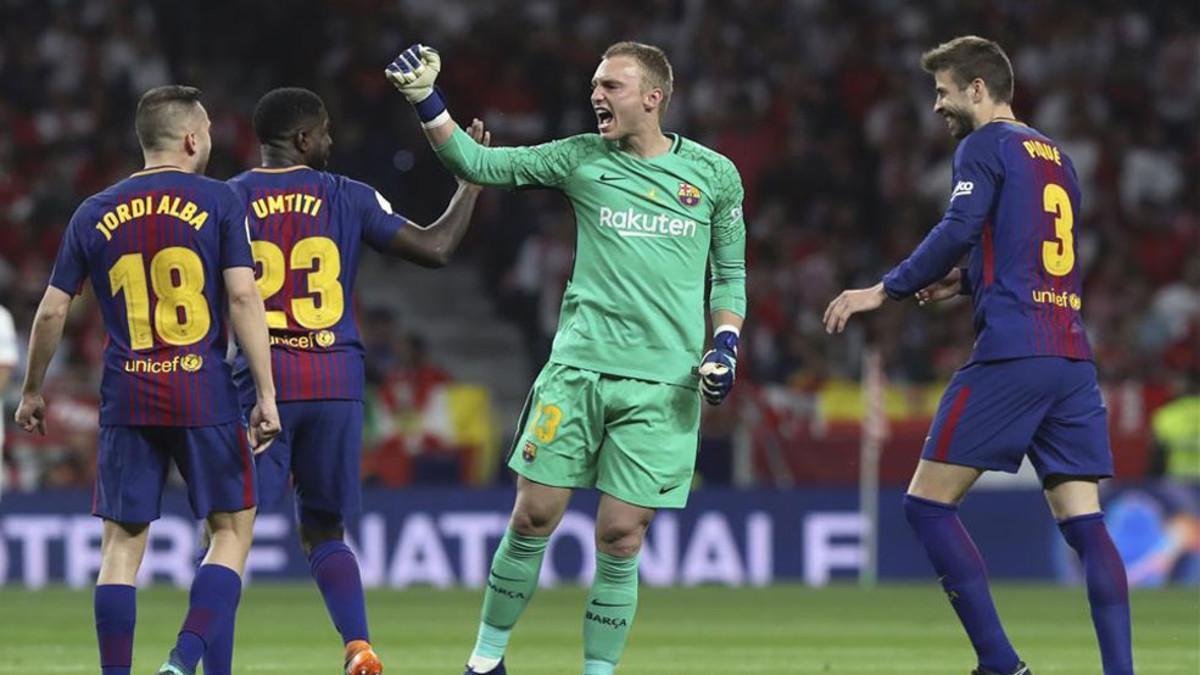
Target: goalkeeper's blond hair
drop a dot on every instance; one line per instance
(656, 69)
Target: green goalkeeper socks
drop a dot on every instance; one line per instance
(510, 586)
(611, 604)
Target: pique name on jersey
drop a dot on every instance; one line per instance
(632, 223)
(176, 207)
(1044, 150)
(292, 202)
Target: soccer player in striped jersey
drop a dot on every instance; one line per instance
(167, 252)
(1030, 386)
(617, 406)
(308, 228)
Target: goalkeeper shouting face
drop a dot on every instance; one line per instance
(617, 408)
(630, 94)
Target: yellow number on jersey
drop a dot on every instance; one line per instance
(181, 316)
(319, 254)
(546, 421)
(129, 275)
(274, 271)
(1059, 255)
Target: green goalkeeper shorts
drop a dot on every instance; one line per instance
(632, 439)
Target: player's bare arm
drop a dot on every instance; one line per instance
(434, 245)
(43, 342)
(249, 321)
(851, 302)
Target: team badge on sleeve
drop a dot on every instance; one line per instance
(689, 195)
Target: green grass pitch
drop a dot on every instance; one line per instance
(781, 629)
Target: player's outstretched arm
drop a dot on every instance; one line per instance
(433, 246)
(851, 302)
(43, 342)
(414, 72)
(249, 320)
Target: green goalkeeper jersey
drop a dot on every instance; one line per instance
(647, 230)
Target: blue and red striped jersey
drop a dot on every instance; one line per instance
(306, 228)
(1012, 212)
(154, 247)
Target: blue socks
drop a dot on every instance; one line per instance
(335, 569)
(960, 569)
(1108, 591)
(115, 607)
(212, 606)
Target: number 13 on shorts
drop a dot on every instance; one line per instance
(545, 421)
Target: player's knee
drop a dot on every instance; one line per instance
(312, 537)
(533, 521)
(622, 540)
(122, 548)
(917, 509)
(231, 528)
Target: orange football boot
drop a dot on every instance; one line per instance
(361, 659)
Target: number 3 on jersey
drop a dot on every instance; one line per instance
(319, 254)
(1058, 255)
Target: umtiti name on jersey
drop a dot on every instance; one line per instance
(294, 202)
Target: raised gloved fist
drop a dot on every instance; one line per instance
(414, 72)
(718, 368)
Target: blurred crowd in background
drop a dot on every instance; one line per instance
(820, 103)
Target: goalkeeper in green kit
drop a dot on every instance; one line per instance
(616, 408)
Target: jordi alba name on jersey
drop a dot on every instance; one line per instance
(154, 247)
(306, 227)
(1012, 212)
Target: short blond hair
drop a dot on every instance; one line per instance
(656, 69)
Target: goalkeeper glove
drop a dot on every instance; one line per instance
(413, 72)
(718, 367)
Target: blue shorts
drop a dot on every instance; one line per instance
(320, 449)
(131, 469)
(993, 414)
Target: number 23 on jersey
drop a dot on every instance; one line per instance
(321, 257)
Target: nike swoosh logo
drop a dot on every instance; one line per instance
(605, 178)
(611, 604)
(665, 490)
(493, 573)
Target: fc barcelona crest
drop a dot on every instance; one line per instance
(689, 195)
(529, 452)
